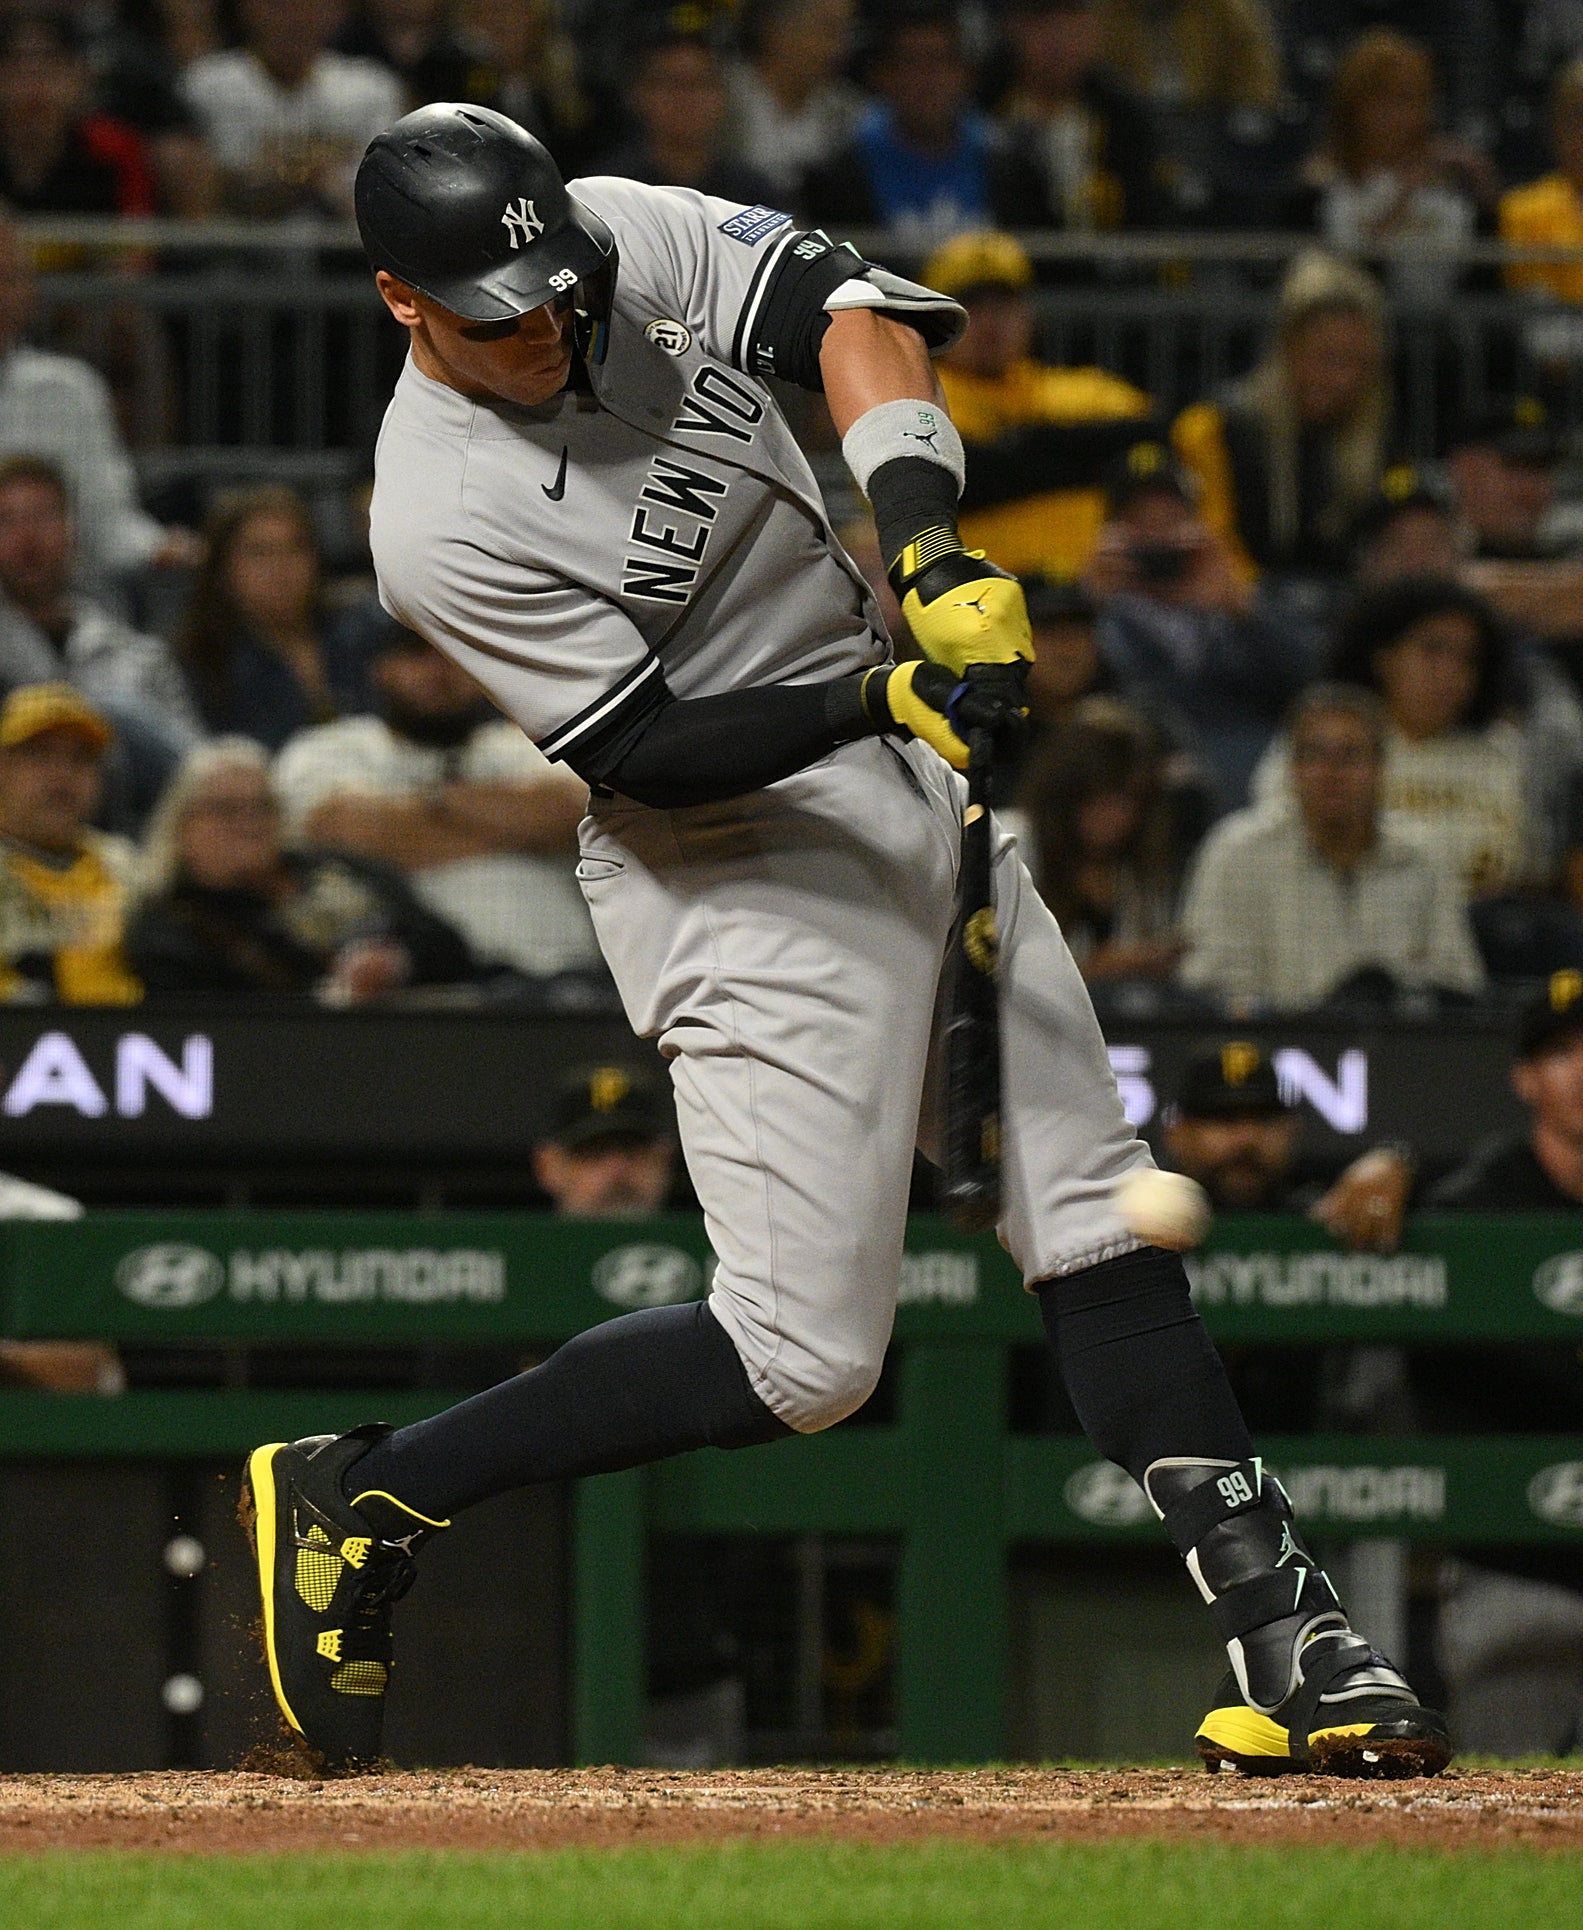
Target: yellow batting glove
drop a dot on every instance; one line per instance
(961, 609)
(893, 702)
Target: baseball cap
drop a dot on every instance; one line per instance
(1519, 426)
(1404, 486)
(609, 1101)
(1230, 1081)
(1552, 1015)
(35, 708)
(985, 260)
(1148, 464)
(689, 23)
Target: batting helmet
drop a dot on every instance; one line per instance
(469, 209)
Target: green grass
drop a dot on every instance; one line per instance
(1136, 1885)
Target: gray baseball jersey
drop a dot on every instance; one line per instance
(570, 554)
(785, 948)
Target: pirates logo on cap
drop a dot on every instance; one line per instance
(607, 1087)
(1566, 988)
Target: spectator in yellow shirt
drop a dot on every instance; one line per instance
(1548, 213)
(63, 886)
(1038, 438)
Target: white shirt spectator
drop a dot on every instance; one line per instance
(1268, 921)
(57, 407)
(513, 908)
(1429, 222)
(1461, 796)
(249, 118)
(108, 661)
(785, 145)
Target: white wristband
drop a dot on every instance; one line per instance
(895, 429)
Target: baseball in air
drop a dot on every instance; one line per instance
(1166, 1209)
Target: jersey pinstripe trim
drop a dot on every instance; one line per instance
(602, 709)
(757, 289)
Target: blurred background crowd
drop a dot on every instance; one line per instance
(1270, 394)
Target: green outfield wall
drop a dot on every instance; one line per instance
(946, 1477)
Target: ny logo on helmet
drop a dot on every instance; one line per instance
(522, 222)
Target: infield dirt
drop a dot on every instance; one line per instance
(516, 1809)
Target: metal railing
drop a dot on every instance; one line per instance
(264, 349)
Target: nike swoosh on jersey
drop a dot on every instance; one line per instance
(559, 490)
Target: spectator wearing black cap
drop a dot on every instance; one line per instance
(1510, 1634)
(1537, 1168)
(1038, 438)
(676, 97)
(1502, 461)
(611, 1151)
(1087, 131)
(1411, 528)
(1318, 897)
(1178, 626)
(924, 162)
(1233, 1130)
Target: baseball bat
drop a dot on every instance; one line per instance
(971, 1149)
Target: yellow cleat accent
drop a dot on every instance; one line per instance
(1242, 1734)
(261, 1487)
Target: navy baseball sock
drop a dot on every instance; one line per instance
(1139, 1367)
(632, 1390)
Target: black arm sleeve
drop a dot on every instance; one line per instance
(1047, 455)
(696, 750)
(784, 317)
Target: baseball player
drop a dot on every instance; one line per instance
(587, 494)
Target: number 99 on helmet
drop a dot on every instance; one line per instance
(468, 208)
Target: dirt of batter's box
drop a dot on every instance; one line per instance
(521, 1809)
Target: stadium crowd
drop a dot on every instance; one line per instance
(1289, 681)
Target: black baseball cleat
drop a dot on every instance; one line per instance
(329, 1571)
(1305, 1691)
(1353, 1716)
